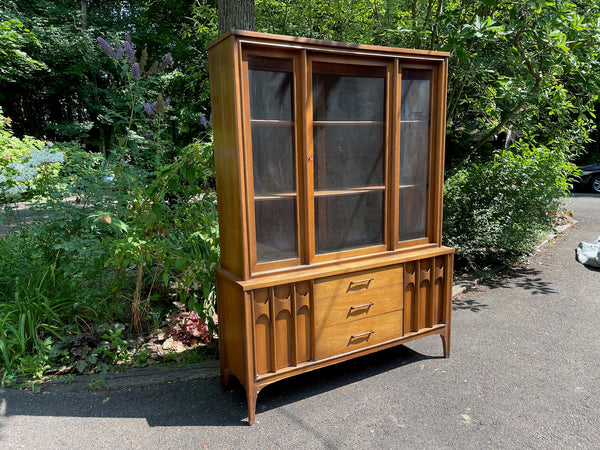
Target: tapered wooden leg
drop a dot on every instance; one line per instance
(251, 395)
(446, 343)
(224, 378)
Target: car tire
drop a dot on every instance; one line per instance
(595, 184)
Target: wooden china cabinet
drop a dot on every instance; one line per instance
(329, 160)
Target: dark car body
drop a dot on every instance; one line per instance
(589, 178)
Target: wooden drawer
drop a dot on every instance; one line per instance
(339, 339)
(356, 282)
(368, 303)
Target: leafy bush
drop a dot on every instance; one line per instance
(494, 211)
(25, 163)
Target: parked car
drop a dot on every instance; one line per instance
(590, 177)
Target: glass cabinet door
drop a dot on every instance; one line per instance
(271, 101)
(349, 146)
(415, 125)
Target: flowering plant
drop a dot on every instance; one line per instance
(22, 161)
(137, 104)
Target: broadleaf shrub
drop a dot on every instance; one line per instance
(494, 211)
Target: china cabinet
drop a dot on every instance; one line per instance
(329, 161)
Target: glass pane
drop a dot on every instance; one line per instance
(271, 89)
(416, 86)
(413, 209)
(414, 153)
(337, 97)
(348, 156)
(348, 221)
(275, 229)
(273, 160)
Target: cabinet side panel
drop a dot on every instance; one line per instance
(232, 337)
(224, 89)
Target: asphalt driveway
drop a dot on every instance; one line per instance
(524, 373)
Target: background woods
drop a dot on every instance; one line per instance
(121, 126)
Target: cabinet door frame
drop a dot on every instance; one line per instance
(298, 124)
(435, 163)
(347, 66)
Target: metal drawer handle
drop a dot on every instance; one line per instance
(366, 280)
(368, 333)
(366, 305)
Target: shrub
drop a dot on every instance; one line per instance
(494, 211)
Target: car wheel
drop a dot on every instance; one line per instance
(595, 184)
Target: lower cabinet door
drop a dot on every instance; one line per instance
(347, 337)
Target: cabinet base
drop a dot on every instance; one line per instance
(253, 388)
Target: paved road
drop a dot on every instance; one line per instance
(524, 373)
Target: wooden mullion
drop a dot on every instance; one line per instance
(394, 169)
(388, 154)
(309, 158)
(248, 164)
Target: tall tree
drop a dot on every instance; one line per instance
(237, 14)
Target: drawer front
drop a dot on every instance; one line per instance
(357, 282)
(348, 308)
(339, 339)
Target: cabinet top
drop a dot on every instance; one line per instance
(252, 37)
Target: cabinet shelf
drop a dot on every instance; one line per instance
(283, 195)
(349, 191)
(409, 186)
(275, 122)
(347, 122)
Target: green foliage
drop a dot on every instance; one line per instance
(71, 94)
(494, 211)
(36, 307)
(15, 63)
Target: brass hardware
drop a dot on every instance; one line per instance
(368, 333)
(366, 305)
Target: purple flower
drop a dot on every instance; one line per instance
(167, 61)
(202, 119)
(135, 70)
(129, 51)
(118, 52)
(167, 102)
(148, 109)
(210, 118)
(154, 105)
(106, 47)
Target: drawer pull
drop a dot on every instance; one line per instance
(366, 305)
(367, 333)
(366, 280)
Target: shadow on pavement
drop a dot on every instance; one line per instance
(526, 278)
(202, 402)
(467, 304)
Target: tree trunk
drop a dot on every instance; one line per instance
(238, 14)
(84, 13)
